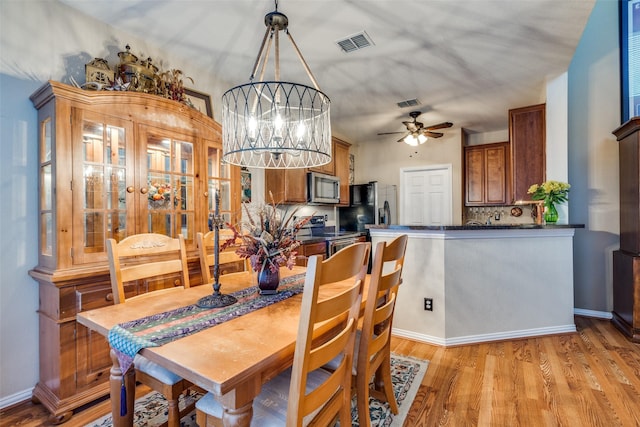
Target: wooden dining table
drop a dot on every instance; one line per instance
(231, 360)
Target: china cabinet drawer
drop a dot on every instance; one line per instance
(89, 298)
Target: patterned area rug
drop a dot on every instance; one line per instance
(407, 374)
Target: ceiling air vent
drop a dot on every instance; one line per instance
(408, 103)
(355, 42)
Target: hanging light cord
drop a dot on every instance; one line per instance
(275, 22)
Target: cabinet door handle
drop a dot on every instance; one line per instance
(144, 190)
(130, 189)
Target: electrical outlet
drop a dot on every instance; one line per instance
(428, 304)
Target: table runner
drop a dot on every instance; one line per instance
(128, 338)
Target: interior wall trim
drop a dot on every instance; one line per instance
(593, 313)
(475, 339)
(15, 398)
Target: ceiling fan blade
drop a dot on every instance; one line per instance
(389, 133)
(432, 134)
(440, 126)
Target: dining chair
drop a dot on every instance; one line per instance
(373, 348)
(307, 394)
(206, 245)
(151, 259)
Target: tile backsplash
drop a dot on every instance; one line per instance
(500, 214)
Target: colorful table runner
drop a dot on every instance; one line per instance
(128, 338)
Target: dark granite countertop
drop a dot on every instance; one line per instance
(473, 227)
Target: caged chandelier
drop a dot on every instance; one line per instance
(276, 124)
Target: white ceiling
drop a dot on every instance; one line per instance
(467, 62)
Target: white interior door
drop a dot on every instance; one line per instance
(425, 195)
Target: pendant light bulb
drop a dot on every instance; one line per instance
(252, 128)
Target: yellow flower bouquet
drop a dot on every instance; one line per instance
(552, 192)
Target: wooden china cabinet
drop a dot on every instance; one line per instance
(111, 164)
(626, 260)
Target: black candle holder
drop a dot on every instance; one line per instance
(217, 299)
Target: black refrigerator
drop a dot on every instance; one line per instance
(371, 203)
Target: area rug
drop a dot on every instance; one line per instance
(406, 375)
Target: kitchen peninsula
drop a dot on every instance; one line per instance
(486, 283)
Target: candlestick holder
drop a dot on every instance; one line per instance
(217, 299)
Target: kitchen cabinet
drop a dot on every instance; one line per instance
(286, 185)
(328, 168)
(308, 249)
(341, 161)
(111, 164)
(527, 130)
(289, 186)
(486, 174)
(626, 260)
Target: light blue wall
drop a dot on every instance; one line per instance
(594, 112)
(18, 292)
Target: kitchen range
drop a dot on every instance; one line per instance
(316, 231)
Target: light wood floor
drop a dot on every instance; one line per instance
(590, 378)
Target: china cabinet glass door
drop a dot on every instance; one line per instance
(218, 179)
(46, 189)
(169, 189)
(102, 198)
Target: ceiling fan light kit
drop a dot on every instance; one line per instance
(276, 124)
(414, 140)
(417, 133)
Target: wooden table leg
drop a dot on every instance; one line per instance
(237, 417)
(116, 380)
(238, 403)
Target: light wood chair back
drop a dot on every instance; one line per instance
(206, 246)
(326, 331)
(144, 257)
(374, 346)
(316, 345)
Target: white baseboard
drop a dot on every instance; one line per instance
(593, 313)
(474, 339)
(21, 396)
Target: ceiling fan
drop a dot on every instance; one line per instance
(417, 133)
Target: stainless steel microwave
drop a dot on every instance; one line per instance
(323, 188)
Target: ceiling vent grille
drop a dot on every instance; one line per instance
(355, 42)
(408, 103)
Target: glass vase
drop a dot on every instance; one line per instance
(550, 213)
(268, 281)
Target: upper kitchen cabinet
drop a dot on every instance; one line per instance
(289, 186)
(110, 165)
(486, 174)
(341, 162)
(527, 130)
(328, 168)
